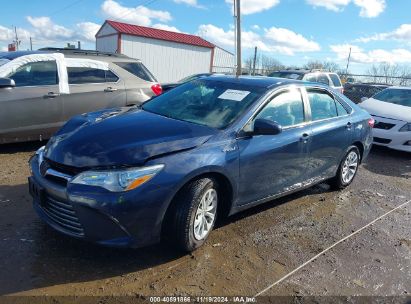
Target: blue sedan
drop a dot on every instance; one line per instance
(211, 147)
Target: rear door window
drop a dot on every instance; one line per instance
(322, 105)
(39, 73)
(138, 69)
(340, 109)
(336, 80)
(111, 77)
(83, 75)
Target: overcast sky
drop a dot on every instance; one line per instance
(293, 31)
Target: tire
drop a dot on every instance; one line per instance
(188, 229)
(347, 170)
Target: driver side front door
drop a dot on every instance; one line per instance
(273, 164)
(33, 109)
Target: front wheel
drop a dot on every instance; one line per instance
(195, 213)
(347, 170)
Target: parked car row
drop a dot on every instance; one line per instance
(41, 90)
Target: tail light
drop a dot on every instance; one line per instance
(342, 91)
(371, 122)
(157, 89)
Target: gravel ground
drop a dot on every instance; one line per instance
(244, 255)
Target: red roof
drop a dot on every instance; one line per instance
(149, 32)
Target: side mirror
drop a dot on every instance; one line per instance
(266, 127)
(363, 99)
(7, 83)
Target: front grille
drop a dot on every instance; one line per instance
(382, 140)
(384, 125)
(69, 170)
(63, 215)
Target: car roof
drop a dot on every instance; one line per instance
(303, 71)
(292, 71)
(14, 55)
(258, 81)
(70, 53)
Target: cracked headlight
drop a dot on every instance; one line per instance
(118, 180)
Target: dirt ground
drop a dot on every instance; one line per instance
(243, 256)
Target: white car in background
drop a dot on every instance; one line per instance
(391, 109)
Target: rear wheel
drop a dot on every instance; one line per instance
(347, 170)
(194, 214)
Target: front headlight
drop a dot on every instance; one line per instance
(406, 128)
(118, 180)
(40, 155)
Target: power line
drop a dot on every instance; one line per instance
(144, 3)
(66, 7)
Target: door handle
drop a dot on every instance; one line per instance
(349, 125)
(110, 89)
(304, 138)
(51, 95)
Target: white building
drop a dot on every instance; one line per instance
(170, 56)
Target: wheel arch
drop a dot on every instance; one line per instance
(361, 148)
(224, 183)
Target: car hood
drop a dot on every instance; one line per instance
(386, 109)
(122, 137)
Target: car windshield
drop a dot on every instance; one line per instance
(215, 104)
(288, 75)
(396, 96)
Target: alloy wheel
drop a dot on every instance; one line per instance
(350, 167)
(205, 214)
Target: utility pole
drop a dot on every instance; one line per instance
(17, 41)
(31, 44)
(348, 63)
(255, 59)
(238, 30)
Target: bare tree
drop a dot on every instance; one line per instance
(328, 66)
(389, 74)
(269, 64)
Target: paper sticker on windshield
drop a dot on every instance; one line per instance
(235, 95)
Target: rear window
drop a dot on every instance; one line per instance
(396, 96)
(336, 80)
(138, 69)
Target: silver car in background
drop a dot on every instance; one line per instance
(41, 90)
